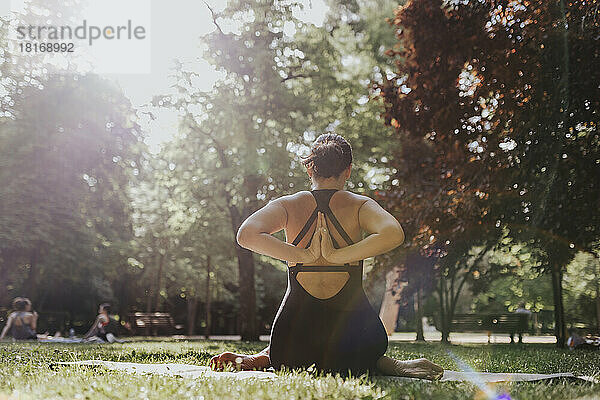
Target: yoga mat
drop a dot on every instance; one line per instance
(183, 370)
(60, 340)
(199, 371)
(73, 340)
(491, 377)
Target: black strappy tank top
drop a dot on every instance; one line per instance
(322, 198)
(341, 333)
(22, 331)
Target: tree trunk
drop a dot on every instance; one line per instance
(597, 305)
(149, 301)
(388, 312)
(192, 307)
(597, 279)
(247, 295)
(445, 336)
(419, 315)
(32, 278)
(559, 314)
(208, 302)
(161, 262)
(247, 292)
(125, 293)
(6, 265)
(3, 285)
(443, 314)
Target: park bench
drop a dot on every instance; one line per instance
(492, 323)
(153, 323)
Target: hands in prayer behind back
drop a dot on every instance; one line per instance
(321, 244)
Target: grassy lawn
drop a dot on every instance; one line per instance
(26, 372)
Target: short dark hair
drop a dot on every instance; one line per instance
(105, 307)
(330, 155)
(21, 303)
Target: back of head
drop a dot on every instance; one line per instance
(105, 307)
(330, 155)
(20, 303)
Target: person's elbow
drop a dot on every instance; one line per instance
(244, 236)
(394, 234)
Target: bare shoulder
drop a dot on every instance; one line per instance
(346, 197)
(354, 198)
(292, 198)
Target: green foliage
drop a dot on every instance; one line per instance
(96, 216)
(525, 285)
(488, 156)
(240, 144)
(490, 103)
(582, 290)
(67, 154)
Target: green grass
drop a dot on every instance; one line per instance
(27, 372)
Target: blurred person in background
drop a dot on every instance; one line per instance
(22, 322)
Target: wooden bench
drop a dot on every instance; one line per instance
(153, 323)
(492, 323)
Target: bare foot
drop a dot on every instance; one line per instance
(240, 362)
(420, 368)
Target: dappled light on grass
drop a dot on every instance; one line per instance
(27, 371)
(485, 389)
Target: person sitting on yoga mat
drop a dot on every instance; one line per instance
(104, 327)
(21, 323)
(325, 319)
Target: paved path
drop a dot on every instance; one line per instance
(457, 338)
(460, 338)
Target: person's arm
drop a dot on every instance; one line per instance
(9, 323)
(385, 235)
(93, 330)
(34, 318)
(256, 234)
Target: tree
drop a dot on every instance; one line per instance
(420, 269)
(278, 91)
(66, 154)
(252, 115)
(582, 289)
(69, 145)
(490, 88)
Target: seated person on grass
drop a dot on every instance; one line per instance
(325, 319)
(104, 327)
(22, 322)
(575, 341)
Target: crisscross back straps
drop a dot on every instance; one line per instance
(322, 198)
(306, 227)
(338, 227)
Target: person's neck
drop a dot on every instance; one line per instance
(327, 185)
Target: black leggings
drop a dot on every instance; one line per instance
(341, 334)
